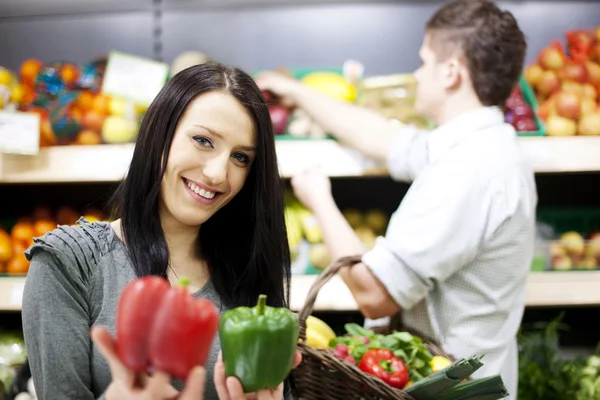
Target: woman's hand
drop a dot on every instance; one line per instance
(127, 385)
(230, 388)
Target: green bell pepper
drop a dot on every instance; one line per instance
(258, 344)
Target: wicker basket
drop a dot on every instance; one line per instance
(323, 376)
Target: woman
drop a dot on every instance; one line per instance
(202, 199)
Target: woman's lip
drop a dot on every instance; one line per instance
(200, 199)
(201, 186)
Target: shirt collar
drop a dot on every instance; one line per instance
(448, 135)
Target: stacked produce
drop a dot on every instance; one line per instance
(567, 84)
(68, 98)
(519, 112)
(15, 239)
(402, 361)
(573, 251)
(290, 120)
(302, 226)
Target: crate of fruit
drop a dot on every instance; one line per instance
(521, 111)
(391, 364)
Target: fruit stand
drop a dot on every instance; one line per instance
(86, 139)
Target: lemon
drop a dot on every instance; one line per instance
(331, 84)
(6, 78)
(438, 363)
(17, 93)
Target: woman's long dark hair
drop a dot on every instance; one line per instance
(245, 243)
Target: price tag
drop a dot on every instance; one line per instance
(134, 78)
(16, 294)
(19, 132)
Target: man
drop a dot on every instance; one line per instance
(457, 253)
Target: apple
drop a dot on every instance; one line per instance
(568, 105)
(548, 83)
(573, 242)
(551, 59)
(572, 87)
(279, 116)
(588, 105)
(589, 124)
(560, 126)
(588, 263)
(589, 90)
(561, 263)
(573, 71)
(593, 72)
(533, 73)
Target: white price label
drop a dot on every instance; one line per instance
(19, 132)
(134, 78)
(16, 294)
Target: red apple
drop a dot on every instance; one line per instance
(593, 72)
(533, 73)
(522, 111)
(568, 105)
(573, 71)
(548, 83)
(551, 58)
(279, 116)
(589, 124)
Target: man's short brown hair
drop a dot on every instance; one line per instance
(490, 41)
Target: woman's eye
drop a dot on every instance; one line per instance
(202, 141)
(241, 157)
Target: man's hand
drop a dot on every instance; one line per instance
(283, 86)
(312, 187)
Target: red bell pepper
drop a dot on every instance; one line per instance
(164, 328)
(382, 364)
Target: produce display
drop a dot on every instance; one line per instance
(150, 318)
(573, 251)
(520, 114)
(258, 344)
(402, 361)
(16, 237)
(566, 81)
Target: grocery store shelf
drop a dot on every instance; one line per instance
(108, 163)
(573, 288)
(560, 288)
(563, 154)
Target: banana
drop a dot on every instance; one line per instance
(293, 229)
(318, 333)
(310, 226)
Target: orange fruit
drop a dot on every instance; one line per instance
(66, 216)
(101, 103)
(88, 137)
(93, 120)
(42, 226)
(22, 232)
(6, 246)
(69, 73)
(17, 265)
(30, 69)
(85, 100)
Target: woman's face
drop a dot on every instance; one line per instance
(210, 158)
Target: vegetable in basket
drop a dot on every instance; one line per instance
(258, 344)
(164, 327)
(382, 364)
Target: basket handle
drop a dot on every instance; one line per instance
(321, 280)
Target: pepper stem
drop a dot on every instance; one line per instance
(262, 302)
(184, 282)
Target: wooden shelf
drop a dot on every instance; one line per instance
(109, 163)
(558, 289)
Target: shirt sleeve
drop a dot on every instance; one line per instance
(408, 155)
(435, 232)
(56, 322)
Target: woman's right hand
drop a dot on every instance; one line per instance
(126, 385)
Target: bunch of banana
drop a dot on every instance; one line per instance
(318, 333)
(294, 230)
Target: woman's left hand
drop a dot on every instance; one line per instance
(230, 388)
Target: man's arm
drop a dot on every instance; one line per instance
(357, 127)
